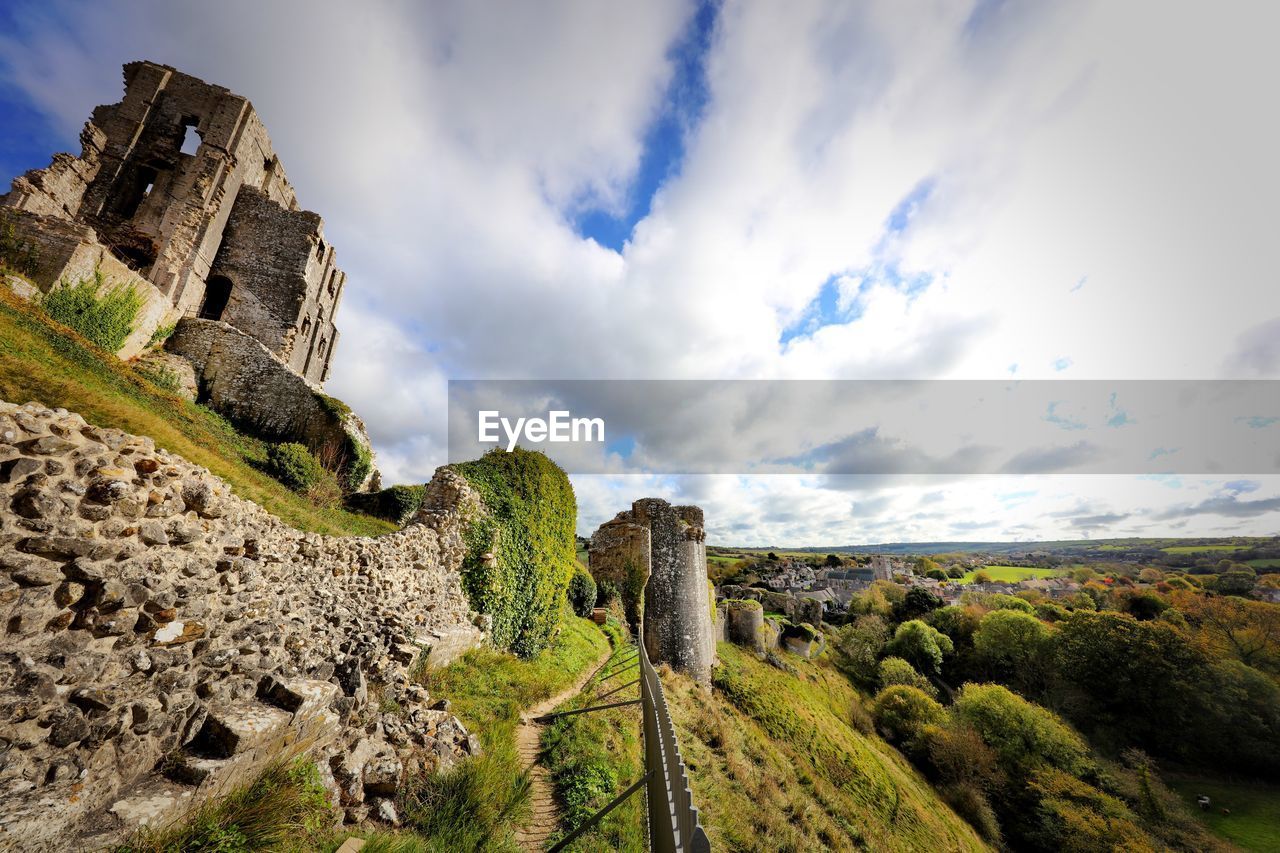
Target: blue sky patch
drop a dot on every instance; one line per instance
(682, 108)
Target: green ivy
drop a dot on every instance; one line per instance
(360, 465)
(162, 334)
(529, 525)
(102, 314)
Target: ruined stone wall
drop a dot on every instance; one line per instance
(244, 381)
(69, 253)
(619, 552)
(800, 610)
(58, 190)
(168, 214)
(164, 640)
(278, 263)
(677, 599)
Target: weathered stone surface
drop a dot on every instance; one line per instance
(677, 597)
(211, 636)
(219, 231)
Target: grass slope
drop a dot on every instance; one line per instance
(41, 360)
(1254, 822)
(593, 757)
(777, 762)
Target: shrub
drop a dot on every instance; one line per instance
(902, 712)
(972, 804)
(102, 314)
(1023, 734)
(606, 593)
(161, 377)
(898, 671)
(582, 592)
(396, 504)
(529, 528)
(921, 645)
(294, 466)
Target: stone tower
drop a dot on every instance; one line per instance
(656, 554)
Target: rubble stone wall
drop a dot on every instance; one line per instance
(164, 639)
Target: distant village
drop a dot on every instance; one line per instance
(836, 586)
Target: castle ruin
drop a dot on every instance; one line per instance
(656, 554)
(177, 189)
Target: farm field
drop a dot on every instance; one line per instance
(1009, 574)
(1254, 821)
(1203, 549)
(1272, 563)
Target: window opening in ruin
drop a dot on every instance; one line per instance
(144, 180)
(191, 137)
(216, 295)
(306, 327)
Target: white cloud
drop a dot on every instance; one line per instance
(450, 149)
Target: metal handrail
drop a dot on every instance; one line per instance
(673, 818)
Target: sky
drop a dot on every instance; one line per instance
(757, 190)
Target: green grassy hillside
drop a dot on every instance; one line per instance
(783, 760)
(43, 361)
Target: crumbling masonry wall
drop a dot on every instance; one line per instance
(164, 640)
(676, 602)
(180, 182)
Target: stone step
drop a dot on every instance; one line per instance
(235, 727)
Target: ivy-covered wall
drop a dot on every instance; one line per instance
(520, 550)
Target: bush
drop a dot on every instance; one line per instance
(396, 504)
(102, 314)
(898, 671)
(582, 592)
(606, 593)
(162, 334)
(529, 529)
(1023, 734)
(294, 466)
(902, 713)
(972, 804)
(920, 644)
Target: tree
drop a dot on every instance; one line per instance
(1239, 581)
(1128, 673)
(922, 645)
(916, 603)
(1236, 627)
(955, 572)
(1013, 648)
(834, 561)
(981, 576)
(902, 712)
(898, 671)
(1023, 734)
(856, 646)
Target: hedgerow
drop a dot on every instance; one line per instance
(101, 313)
(528, 529)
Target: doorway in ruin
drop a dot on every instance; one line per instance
(217, 292)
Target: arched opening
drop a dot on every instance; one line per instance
(217, 292)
